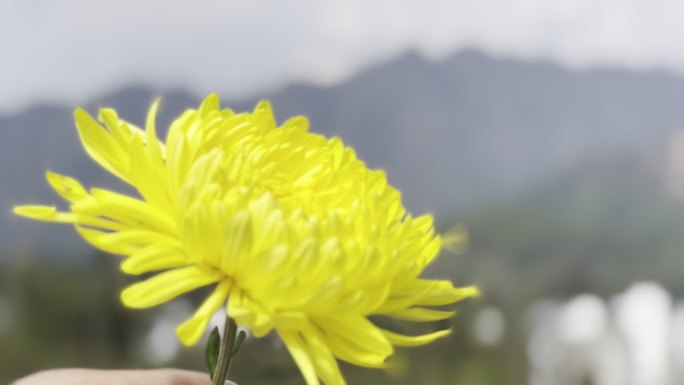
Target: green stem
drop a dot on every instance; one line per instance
(225, 356)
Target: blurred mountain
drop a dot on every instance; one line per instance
(454, 135)
(596, 228)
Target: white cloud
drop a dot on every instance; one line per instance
(71, 50)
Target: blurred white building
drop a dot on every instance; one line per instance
(637, 338)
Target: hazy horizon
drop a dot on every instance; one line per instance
(76, 50)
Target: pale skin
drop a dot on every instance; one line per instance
(116, 377)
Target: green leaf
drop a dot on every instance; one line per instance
(238, 342)
(213, 347)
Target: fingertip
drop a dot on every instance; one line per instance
(187, 377)
(184, 377)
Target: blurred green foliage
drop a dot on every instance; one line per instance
(69, 315)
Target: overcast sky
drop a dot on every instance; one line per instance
(71, 50)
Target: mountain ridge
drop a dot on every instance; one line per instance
(453, 135)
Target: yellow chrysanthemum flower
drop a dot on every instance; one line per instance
(296, 234)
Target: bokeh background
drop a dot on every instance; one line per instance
(553, 130)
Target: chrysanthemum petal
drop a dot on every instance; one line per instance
(297, 348)
(42, 213)
(450, 295)
(299, 122)
(167, 285)
(178, 161)
(346, 350)
(100, 145)
(69, 188)
(50, 214)
(125, 209)
(420, 314)
(355, 339)
(238, 241)
(402, 340)
(99, 239)
(324, 361)
(152, 143)
(246, 311)
(153, 258)
(122, 132)
(149, 176)
(209, 104)
(263, 115)
(190, 331)
(426, 293)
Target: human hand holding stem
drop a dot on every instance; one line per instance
(220, 352)
(75, 376)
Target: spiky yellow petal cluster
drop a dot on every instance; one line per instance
(296, 234)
